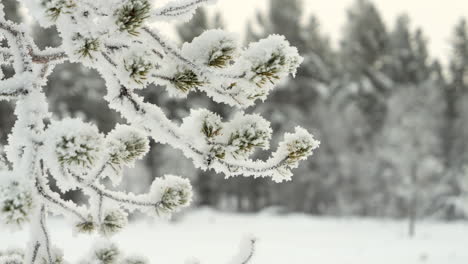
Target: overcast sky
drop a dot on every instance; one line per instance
(436, 17)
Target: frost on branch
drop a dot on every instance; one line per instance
(118, 39)
(246, 250)
(182, 10)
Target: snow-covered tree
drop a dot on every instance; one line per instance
(409, 62)
(362, 100)
(410, 152)
(456, 120)
(120, 40)
(413, 125)
(365, 49)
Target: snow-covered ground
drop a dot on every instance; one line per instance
(213, 237)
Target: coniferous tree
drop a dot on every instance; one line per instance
(454, 133)
(362, 97)
(409, 62)
(365, 50)
(413, 126)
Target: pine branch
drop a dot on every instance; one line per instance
(173, 51)
(73, 151)
(161, 123)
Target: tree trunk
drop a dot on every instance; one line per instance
(413, 202)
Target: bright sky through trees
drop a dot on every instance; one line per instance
(436, 17)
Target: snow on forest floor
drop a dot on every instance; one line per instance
(213, 237)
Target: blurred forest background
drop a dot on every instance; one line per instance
(392, 120)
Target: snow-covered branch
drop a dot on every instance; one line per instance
(115, 38)
(246, 251)
(179, 9)
(220, 157)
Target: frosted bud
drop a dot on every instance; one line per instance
(174, 193)
(182, 81)
(113, 221)
(106, 253)
(85, 47)
(271, 60)
(54, 8)
(299, 146)
(131, 15)
(74, 145)
(126, 144)
(202, 123)
(248, 132)
(218, 151)
(137, 68)
(211, 125)
(214, 48)
(16, 204)
(86, 226)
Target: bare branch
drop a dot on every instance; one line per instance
(123, 199)
(47, 57)
(181, 8)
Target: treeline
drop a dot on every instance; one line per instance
(392, 120)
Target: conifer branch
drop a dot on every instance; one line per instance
(249, 167)
(77, 155)
(173, 51)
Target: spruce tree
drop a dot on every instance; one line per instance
(409, 62)
(365, 50)
(456, 125)
(362, 97)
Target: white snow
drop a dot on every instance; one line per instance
(214, 237)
